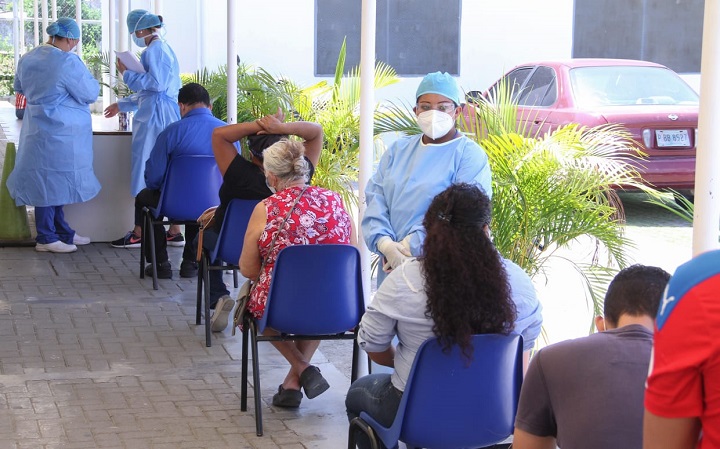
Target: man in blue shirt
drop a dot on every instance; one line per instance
(191, 135)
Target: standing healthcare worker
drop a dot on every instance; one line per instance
(54, 163)
(415, 169)
(154, 100)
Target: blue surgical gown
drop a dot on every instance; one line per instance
(155, 103)
(54, 164)
(409, 175)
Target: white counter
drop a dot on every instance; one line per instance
(110, 215)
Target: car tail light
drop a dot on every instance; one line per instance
(647, 137)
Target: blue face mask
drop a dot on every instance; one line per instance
(139, 41)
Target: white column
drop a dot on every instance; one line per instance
(158, 7)
(54, 10)
(367, 106)
(707, 166)
(200, 34)
(112, 40)
(21, 37)
(122, 31)
(45, 21)
(78, 19)
(232, 65)
(36, 25)
(16, 32)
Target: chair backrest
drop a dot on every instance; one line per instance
(232, 233)
(315, 290)
(191, 185)
(449, 404)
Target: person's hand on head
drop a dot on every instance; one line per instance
(394, 253)
(271, 124)
(280, 115)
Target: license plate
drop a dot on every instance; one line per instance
(672, 138)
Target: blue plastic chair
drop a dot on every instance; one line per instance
(191, 186)
(449, 404)
(316, 294)
(227, 250)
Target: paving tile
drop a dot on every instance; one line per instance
(91, 356)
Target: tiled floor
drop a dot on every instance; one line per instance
(92, 357)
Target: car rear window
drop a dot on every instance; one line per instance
(629, 85)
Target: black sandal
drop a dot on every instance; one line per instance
(313, 382)
(287, 398)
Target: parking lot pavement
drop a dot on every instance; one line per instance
(660, 238)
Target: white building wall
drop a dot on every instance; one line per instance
(278, 35)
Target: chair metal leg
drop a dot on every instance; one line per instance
(143, 243)
(198, 299)
(206, 305)
(360, 424)
(244, 377)
(256, 381)
(153, 256)
(355, 358)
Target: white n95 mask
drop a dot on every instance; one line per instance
(435, 124)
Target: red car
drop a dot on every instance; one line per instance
(656, 106)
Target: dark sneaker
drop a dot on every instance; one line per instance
(131, 240)
(188, 269)
(164, 270)
(175, 239)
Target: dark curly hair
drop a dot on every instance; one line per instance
(465, 279)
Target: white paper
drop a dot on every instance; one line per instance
(131, 61)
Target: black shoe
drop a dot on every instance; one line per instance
(164, 271)
(188, 269)
(287, 398)
(312, 382)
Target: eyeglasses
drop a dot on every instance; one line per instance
(446, 107)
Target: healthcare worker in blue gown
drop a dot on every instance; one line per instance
(154, 100)
(415, 169)
(54, 163)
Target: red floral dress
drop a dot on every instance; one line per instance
(318, 218)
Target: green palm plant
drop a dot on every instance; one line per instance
(336, 107)
(549, 190)
(116, 84)
(680, 204)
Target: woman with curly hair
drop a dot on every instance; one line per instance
(459, 287)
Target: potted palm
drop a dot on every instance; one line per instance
(333, 104)
(549, 190)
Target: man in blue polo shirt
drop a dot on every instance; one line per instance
(191, 135)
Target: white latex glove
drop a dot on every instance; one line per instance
(406, 243)
(395, 253)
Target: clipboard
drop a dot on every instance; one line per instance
(130, 60)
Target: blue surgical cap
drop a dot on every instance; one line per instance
(139, 19)
(64, 27)
(441, 83)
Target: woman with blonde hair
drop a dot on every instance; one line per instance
(296, 214)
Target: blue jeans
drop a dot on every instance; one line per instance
(217, 285)
(51, 225)
(375, 395)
